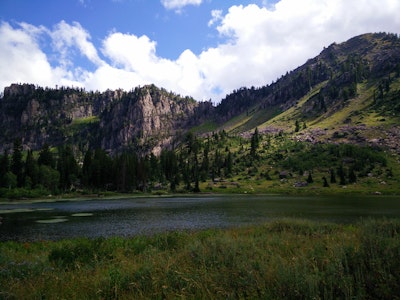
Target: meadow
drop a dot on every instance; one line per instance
(281, 259)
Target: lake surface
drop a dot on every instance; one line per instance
(136, 216)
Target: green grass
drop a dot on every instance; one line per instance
(85, 121)
(205, 127)
(286, 258)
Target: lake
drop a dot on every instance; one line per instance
(137, 216)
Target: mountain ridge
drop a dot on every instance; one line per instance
(361, 73)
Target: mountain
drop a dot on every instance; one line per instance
(349, 93)
(144, 119)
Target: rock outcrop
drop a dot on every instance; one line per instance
(145, 119)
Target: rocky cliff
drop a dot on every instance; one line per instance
(145, 119)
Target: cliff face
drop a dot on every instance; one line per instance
(145, 119)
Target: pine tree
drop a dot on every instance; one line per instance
(87, 168)
(31, 170)
(341, 175)
(333, 176)
(16, 162)
(352, 176)
(255, 142)
(309, 178)
(228, 165)
(46, 157)
(67, 167)
(4, 168)
(297, 126)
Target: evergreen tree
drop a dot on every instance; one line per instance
(87, 168)
(46, 157)
(333, 176)
(49, 178)
(205, 164)
(326, 184)
(67, 167)
(255, 142)
(4, 168)
(297, 126)
(155, 173)
(142, 173)
(16, 162)
(31, 170)
(352, 176)
(309, 178)
(228, 165)
(100, 170)
(341, 175)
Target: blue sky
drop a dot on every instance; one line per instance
(202, 48)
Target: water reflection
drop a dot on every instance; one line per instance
(128, 217)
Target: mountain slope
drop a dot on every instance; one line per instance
(350, 92)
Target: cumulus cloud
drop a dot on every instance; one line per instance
(177, 5)
(263, 43)
(65, 37)
(21, 59)
(257, 45)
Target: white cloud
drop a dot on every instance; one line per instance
(65, 37)
(263, 43)
(177, 5)
(216, 17)
(21, 59)
(258, 45)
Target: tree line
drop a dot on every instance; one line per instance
(212, 158)
(61, 170)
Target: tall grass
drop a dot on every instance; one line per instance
(286, 258)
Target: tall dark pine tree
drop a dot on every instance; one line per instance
(341, 175)
(31, 170)
(255, 141)
(333, 177)
(46, 157)
(87, 168)
(228, 165)
(16, 162)
(352, 176)
(67, 167)
(4, 168)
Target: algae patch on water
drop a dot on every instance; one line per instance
(51, 221)
(22, 210)
(82, 215)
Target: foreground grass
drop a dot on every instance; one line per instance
(292, 259)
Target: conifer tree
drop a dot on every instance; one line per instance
(16, 162)
(255, 142)
(67, 167)
(333, 176)
(31, 170)
(46, 157)
(4, 168)
(352, 176)
(309, 178)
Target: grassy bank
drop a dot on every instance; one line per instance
(282, 259)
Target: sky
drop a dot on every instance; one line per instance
(201, 48)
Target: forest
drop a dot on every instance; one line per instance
(193, 166)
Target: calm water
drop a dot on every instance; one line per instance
(129, 217)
